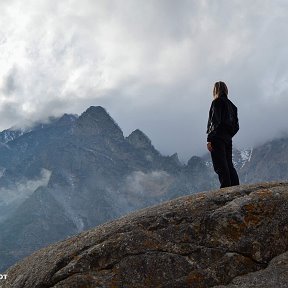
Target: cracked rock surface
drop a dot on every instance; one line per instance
(275, 275)
(226, 238)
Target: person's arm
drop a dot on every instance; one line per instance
(215, 119)
(236, 128)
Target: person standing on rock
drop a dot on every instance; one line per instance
(222, 126)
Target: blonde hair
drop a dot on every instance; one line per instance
(220, 88)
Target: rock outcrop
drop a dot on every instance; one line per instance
(140, 140)
(97, 122)
(237, 236)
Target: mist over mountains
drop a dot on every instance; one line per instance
(73, 173)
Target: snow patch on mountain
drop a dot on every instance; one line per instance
(246, 156)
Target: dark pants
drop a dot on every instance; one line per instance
(221, 155)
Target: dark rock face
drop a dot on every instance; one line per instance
(96, 121)
(139, 140)
(202, 240)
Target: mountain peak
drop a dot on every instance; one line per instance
(175, 158)
(97, 121)
(98, 113)
(96, 110)
(139, 139)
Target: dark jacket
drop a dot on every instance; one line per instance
(223, 119)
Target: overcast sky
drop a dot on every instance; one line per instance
(151, 63)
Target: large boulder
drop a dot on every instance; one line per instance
(203, 240)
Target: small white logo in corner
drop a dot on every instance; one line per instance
(3, 276)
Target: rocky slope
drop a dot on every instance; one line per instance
(232, 237)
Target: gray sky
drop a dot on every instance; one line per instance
(151, 63)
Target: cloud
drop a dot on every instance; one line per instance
(153, 183)
(152, 64)
(23, 189)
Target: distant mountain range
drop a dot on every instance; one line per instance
(74, 173)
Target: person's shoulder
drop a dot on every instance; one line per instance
(218, 101)
(233, 105)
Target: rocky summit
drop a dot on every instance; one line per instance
(232, 237)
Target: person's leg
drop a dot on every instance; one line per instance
(218, 155)
(233, 173)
